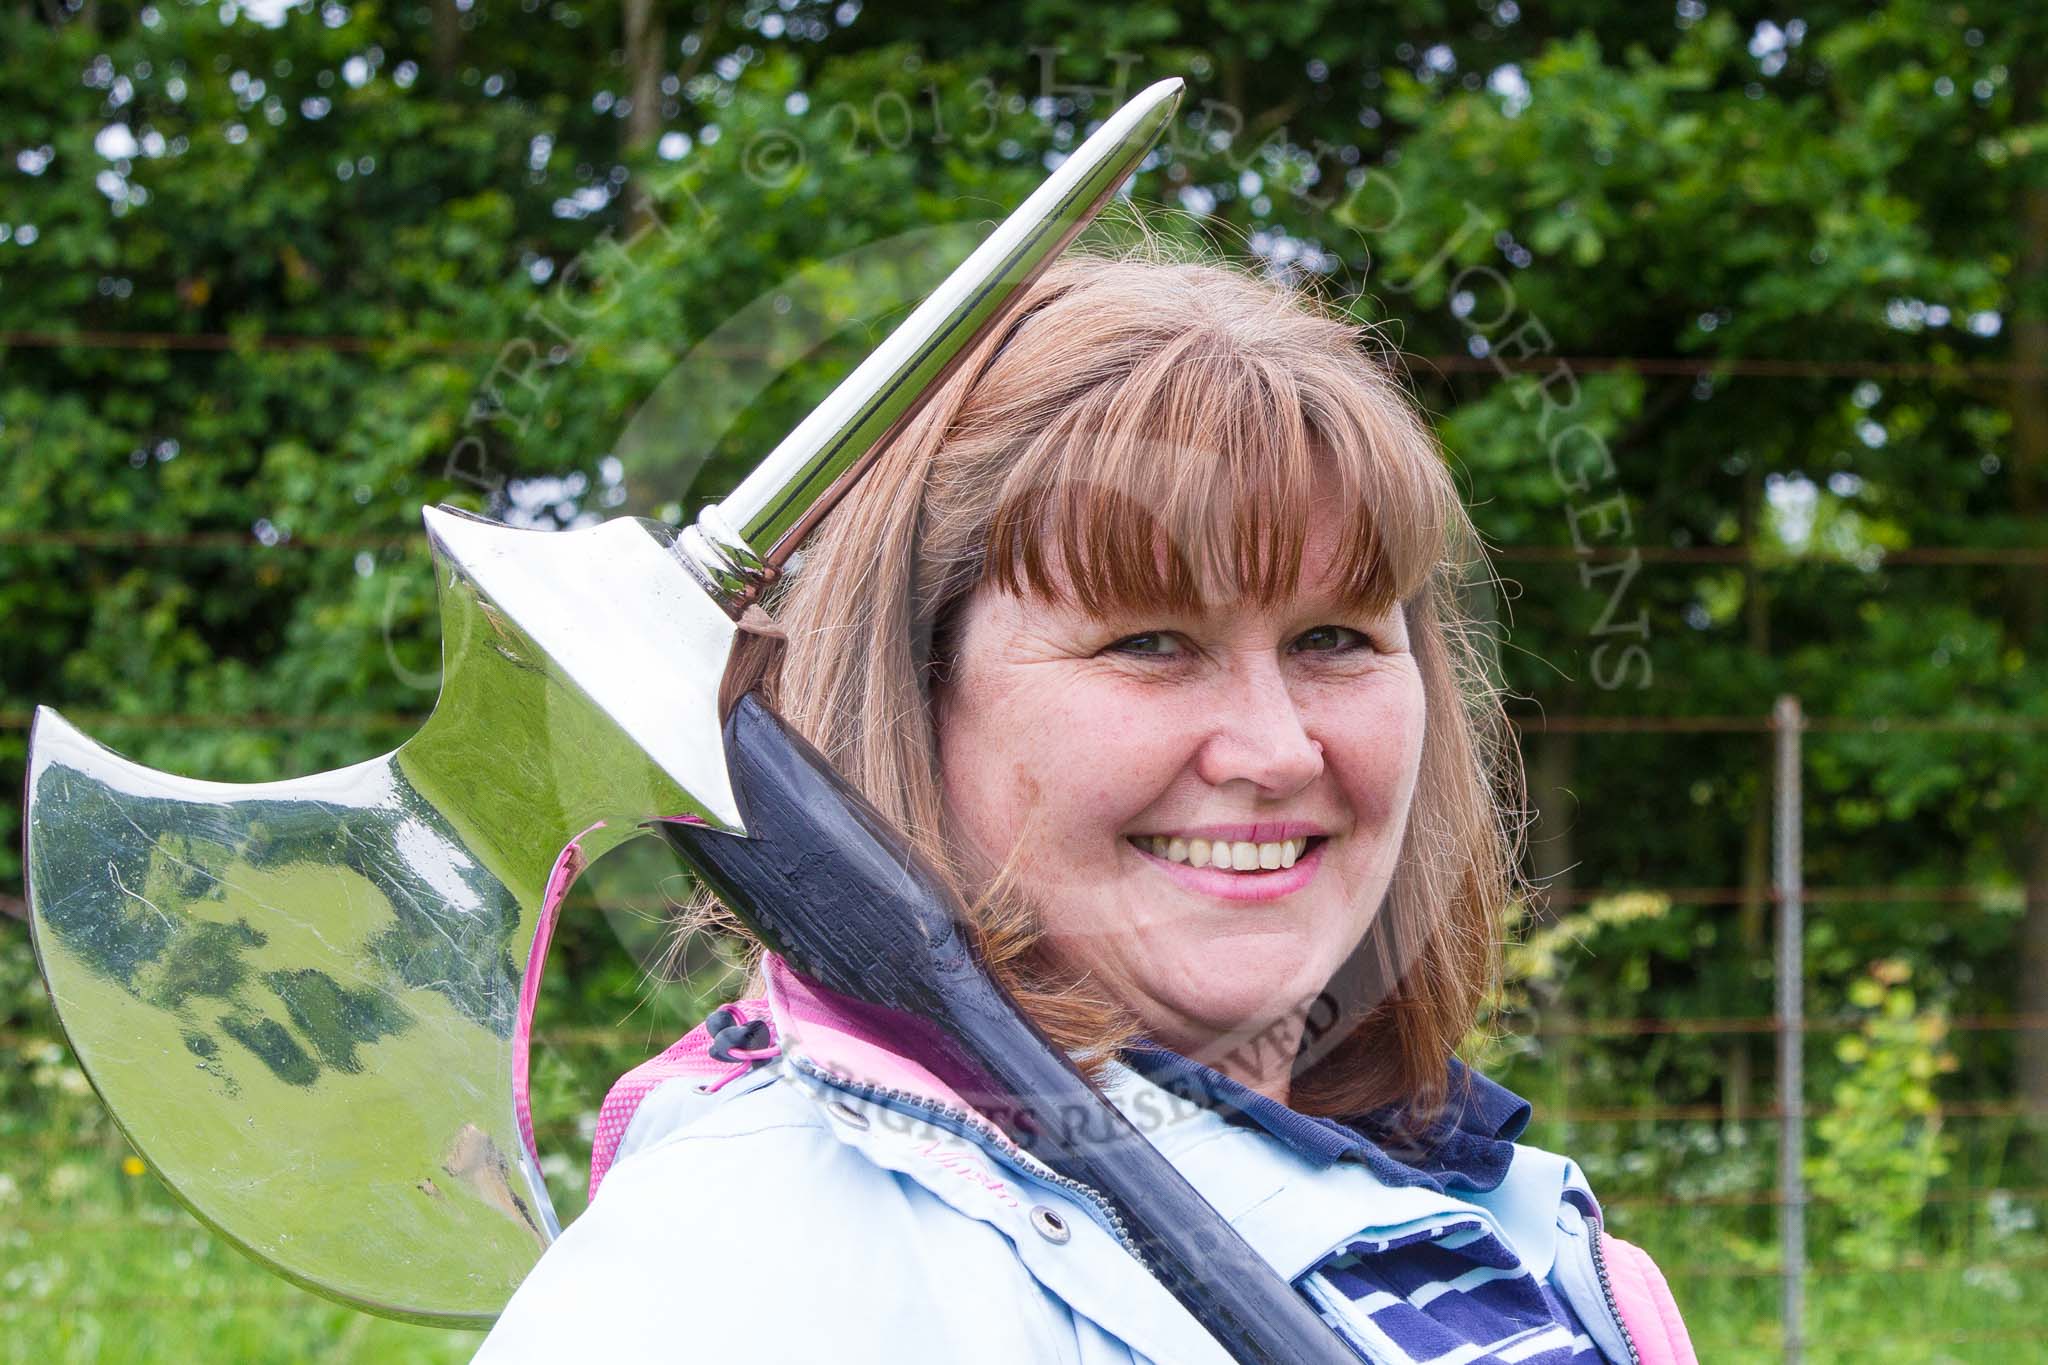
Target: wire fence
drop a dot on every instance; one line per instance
(1448, 362)
(1764, 557)
(1785, 898)
(1566, 724)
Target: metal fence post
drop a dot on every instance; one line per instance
(1791, 967)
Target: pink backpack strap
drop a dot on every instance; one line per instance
(569, 864)
(688, 1057)
(1648, 1311)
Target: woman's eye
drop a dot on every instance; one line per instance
(1331, 640)
(1157, 643)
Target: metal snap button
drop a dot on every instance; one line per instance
(1046, 1221)
(846, 1114)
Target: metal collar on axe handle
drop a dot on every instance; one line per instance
(301, 1000)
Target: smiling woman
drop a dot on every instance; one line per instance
(1146, 632)
(1219, 805)
(1209, 464)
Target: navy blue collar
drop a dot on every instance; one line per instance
(1469, 1145)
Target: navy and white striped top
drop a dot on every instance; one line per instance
(1454, 1294)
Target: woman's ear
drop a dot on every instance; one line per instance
(935, 654)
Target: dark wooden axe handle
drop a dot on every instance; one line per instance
(828, 884)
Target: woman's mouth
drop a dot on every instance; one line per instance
(1235, 869)
(1226, 855)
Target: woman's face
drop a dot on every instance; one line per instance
(1138, 765)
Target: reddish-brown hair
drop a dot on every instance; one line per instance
(1143, 400)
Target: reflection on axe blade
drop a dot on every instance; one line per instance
(476, 1161)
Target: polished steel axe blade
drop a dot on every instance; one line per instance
(305, 1001)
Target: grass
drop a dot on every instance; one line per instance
(99, 1263)
(1942, 1314)
(151, 1285)
(1963, 1280)
(1976, 1292)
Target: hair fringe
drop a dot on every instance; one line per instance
(1028, 469)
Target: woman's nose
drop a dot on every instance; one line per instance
(1258, 736)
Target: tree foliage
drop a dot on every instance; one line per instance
(1730, 323)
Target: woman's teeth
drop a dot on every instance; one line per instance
(1236, 856)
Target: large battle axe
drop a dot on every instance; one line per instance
(306, 1002)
